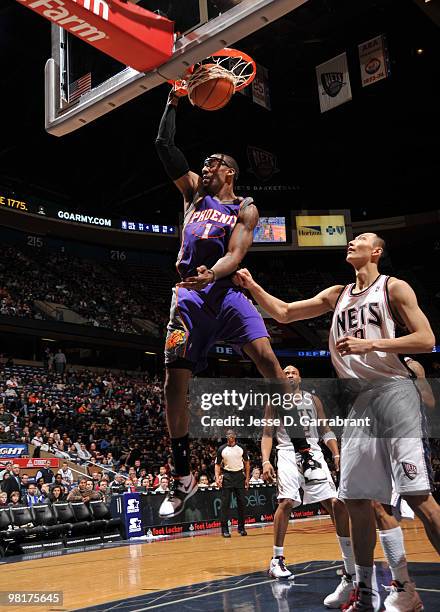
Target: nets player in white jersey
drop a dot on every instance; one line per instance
(289, 478)
(363, 346)
(402, 594)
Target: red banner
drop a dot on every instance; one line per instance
(130, 34)
(32, 463)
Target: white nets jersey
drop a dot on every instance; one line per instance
(307, 413)
(368, 315)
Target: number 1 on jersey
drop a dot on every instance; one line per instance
(207, 230)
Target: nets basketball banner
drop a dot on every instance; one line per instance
(321, 230)
(374, 60)
(333, 82)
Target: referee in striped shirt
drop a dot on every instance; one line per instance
(234, 458)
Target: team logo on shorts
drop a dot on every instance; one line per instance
(176, 338)
(410, 469)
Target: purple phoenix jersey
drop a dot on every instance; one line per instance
(220, 311)
(207, 229)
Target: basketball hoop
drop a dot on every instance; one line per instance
(236, 66)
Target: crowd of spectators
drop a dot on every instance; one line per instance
(102, 295)
(111, 423)
(114, 424)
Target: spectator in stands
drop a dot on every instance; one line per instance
(32, 496)
(39, 482)
(3, 499)
(15, 499)
(38, 439)
(60, 362)
(46, 473)
(203, 481)
(12, 483)
(58, 480)
(4, 437)
(118, 484)
(57, 494)
(105, 491)
(162, 472)
(66, 474)
(81, 492)
(256, 477)
(8, 469)
(145, 484)
(24, 484)
(83, 454)
(164, 485)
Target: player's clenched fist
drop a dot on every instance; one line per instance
(243, 278)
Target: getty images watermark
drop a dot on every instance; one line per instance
(382, 408)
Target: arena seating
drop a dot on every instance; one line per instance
(23, 529)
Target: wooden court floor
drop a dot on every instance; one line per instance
(105, 575)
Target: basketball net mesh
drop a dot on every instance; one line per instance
(235, 69)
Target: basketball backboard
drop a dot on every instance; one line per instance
(201, 30)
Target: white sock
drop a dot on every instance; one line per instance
(365, 575)
(347, 554)
(278, 551)
(394, 550)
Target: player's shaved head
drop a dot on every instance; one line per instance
(379, 242)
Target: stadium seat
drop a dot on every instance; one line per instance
(44, 517)
(101, 512)
(65, 516)
(23, 523)
(83, 515)
(6, 535)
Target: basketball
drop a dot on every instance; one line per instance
(214, 93)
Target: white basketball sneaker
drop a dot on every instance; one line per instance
(277, 569)
(402, 598)
(176, 498)
(311, 469)
(341, 594)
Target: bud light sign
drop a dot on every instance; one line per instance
(13, 451)
(132, 515)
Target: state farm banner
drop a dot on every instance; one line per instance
(374, 60)
(13, 451)
(333, 82)
(129, 33)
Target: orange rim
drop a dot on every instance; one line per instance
(179, 84)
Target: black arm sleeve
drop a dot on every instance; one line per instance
(172, 158)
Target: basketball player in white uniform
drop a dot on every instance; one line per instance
(363, 346)
(289, 478)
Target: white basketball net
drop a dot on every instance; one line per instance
(235, 69)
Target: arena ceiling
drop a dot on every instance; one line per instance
(373, 154)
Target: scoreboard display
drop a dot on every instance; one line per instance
(271, 229)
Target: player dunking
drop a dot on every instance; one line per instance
(206, 306)
(363, 346)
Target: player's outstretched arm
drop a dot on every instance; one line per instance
(284, 312)
(172, 158)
